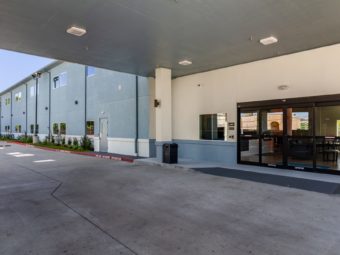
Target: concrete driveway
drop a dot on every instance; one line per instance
(71, 204)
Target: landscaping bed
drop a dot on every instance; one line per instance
(55, 142)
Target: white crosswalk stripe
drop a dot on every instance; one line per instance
(44, 161)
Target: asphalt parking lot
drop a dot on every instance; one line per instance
(58, 203)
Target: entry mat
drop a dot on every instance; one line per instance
(285, 181)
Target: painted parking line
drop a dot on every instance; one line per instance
(1, 148)
(13, 153)
(44, 161)
(23, 155)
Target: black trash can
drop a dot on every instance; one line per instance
(170, 153)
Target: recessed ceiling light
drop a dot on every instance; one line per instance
(185, 62)
(269, 40)
(77, 31)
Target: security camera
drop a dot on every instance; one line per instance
(36, 75)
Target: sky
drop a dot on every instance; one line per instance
(16, 66)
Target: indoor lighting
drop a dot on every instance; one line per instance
(269, 40)
(77, 31)
(185, 62)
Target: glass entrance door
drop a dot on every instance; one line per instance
(327, 135)
(272, 128)
(297, 133)
(280, 137)
(300, 151)
(249, 137)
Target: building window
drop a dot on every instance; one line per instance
(18, 96)
(55, 129)
(60, 80)
(7, 129)
(63, 128)
(32, 90)
(7, 101)
(90, 127)
(213, 126)
(91, 71)
(63, 79)
(32, 129)
(18, 129)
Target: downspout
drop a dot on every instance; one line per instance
(1, 114)
(11, 112)
(26, 131)
(49, 104)
(137, 119)
(36, 107)
(85, 102)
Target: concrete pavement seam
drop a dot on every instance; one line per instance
(60, 183)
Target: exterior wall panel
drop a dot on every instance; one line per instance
(5, 112)
(110, 95)
(19, 109)
(308, 73)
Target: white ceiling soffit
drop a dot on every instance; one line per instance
(137, 36)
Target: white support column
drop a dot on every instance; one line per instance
(164, 110)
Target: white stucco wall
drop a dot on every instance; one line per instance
(309, 73)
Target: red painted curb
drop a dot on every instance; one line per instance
(88, 154)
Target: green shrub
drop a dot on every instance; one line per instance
(75, 142)
(8, 137)
(45, 141)
(69, 141)
(25, 139)
(29, 139)
(86, 143)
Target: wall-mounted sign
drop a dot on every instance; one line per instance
(231, 126)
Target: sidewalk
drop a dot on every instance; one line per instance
(188, 164)
(103, 155)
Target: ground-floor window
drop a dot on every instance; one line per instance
(63, 128)
(18, 129)
(55, 129)
(32, 129)
(90, 127)
(213, 126)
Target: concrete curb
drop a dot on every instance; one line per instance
(141, 162)
(88, 154)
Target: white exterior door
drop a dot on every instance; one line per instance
(103, 135)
